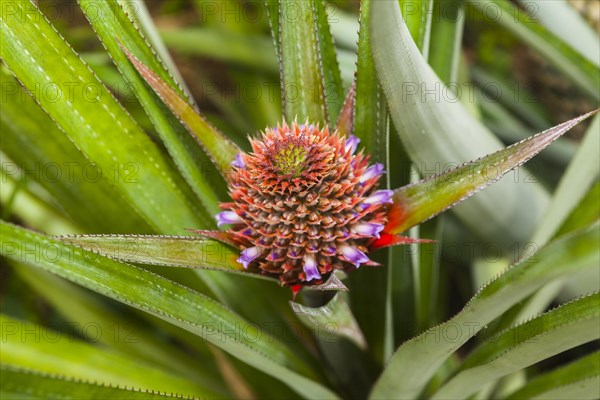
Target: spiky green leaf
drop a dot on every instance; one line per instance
(219, 148)
(42, 346)
(577, 380)
(561, 329)
(45, 155)
(18, 383)
(166, 300)
(418, 202)
(88, 113)
(116, 27)
(417, 360)
(438, 132)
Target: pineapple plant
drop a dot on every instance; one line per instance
(160, 242)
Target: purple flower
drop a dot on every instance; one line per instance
(228, 217)
(371, 172)
(352, 143)
(353, 255)
(367, 229)
(248, 255)
(379, 197)
(239, 161)
(310, 268)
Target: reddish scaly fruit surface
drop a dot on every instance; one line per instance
(304, 204)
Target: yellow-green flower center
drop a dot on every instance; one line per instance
(290, 161)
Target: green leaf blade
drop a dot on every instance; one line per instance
(417, 360)
(584, 214)
(18, 383)
(371, 117)
(219, 148)
(41, 349)
(302, 76)
(437, 131)
(565, 382)
(116, 27)
(417, 203)
(83, 310)
(84, 108)
(446, 39)
(558, 330)
(176, 251)
(332, 79)
(36, 145)
(418, 16)
(166, 300)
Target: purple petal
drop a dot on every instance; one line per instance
(353, 255)
(351, 144)
(228, 217)
(371, 172)
(368, 229)
(310, 268)
(309, 127)
(239, 161)
(248, 255)
(380, 197)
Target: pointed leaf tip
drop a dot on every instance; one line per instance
(338, 312)
(333, 283)
(345, 121)
(388, 240)
(418, 202)
(295, 290)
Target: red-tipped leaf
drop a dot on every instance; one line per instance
(416, 203)
(219, 148)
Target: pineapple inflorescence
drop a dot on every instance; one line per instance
(304, 204)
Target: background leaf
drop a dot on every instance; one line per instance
(20, 383)
(90, 116)
(438, 132)
(414, 204)
(415, 362)
(116, 27)
(576, 380)
(169, 301)
(556, 331)
(579, 69)
(42, 349)
(45, 155)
